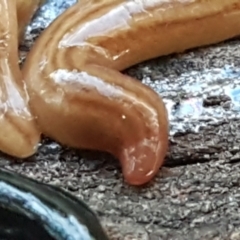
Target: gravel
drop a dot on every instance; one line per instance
(196, 194)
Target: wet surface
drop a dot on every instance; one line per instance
(196, 93)
(196, 194)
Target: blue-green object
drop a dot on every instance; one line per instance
(31, 210)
